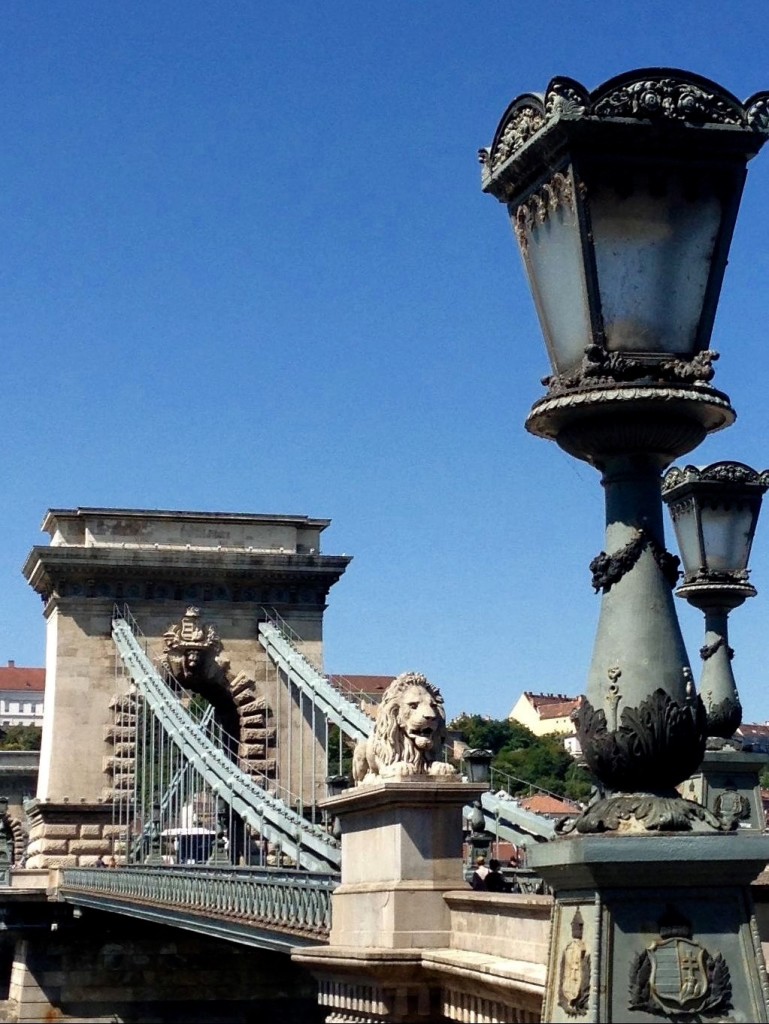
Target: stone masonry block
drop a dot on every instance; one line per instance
(90, 831)
(253, 707)
(125, 750)
(124, 782)
(88, 846)
(118, 734)
(114, 830)
(55, 861)
(257, 735)
(240, 686)
(252, 750)
(69, 831)
(53, 846)
(264, 767)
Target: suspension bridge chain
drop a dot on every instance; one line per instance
(309, 845)
(337, 708)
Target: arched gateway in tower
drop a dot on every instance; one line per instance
(197, 584)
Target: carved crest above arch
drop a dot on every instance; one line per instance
(191, 648)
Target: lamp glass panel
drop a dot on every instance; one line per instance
(553, 257)
(687, 529)
(654, 248)
(477, 771)
(727, 535)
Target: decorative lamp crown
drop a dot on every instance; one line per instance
(714, 511)
(623, 201)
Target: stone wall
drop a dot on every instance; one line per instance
(69, 835)
(103, 968)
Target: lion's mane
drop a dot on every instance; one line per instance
(389, 743)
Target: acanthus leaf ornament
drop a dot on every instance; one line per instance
(599, 366)
(718, 472)
(565, 97)
(657, 744)
(524, 121)
(724, 718)
(757, 111)
(646, 95)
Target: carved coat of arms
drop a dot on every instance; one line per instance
(677, 975)
(574, 972)
(188, 644)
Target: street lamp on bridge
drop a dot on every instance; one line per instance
(623, 202)
(715, 511)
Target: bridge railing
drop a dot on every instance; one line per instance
(298, 903)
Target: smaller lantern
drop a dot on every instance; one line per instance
(477, 764)
(337, 784)
(714, 512)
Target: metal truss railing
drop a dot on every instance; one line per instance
(310, 846)
(283, 901)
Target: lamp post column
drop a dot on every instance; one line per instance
(638, 649)
(623, 201)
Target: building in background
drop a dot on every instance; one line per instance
(548, 714)
(365, 691)
(22, 691)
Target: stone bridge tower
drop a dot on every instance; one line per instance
(198, 585)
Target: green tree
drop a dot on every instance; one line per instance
(21, 737)
(339, 754)
(529, 761)
(494, 734)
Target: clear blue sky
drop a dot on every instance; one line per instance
(245, 265)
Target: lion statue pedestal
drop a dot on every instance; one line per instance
(401, 853)
(401, 829)
(401, 850)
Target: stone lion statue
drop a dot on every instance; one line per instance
(408, 735)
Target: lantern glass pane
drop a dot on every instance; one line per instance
(727, 534)
(687, 527)
(654, 249)
(552, 254)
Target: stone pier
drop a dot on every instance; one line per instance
(197, 584)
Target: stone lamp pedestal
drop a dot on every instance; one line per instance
(653, 927)
(401, 851)
(728, 785)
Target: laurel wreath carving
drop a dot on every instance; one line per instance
(609, 569)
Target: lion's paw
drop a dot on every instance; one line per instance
(442, 768)
(398, 769)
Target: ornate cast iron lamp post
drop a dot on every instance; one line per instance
(623, 201)
(714, 512)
